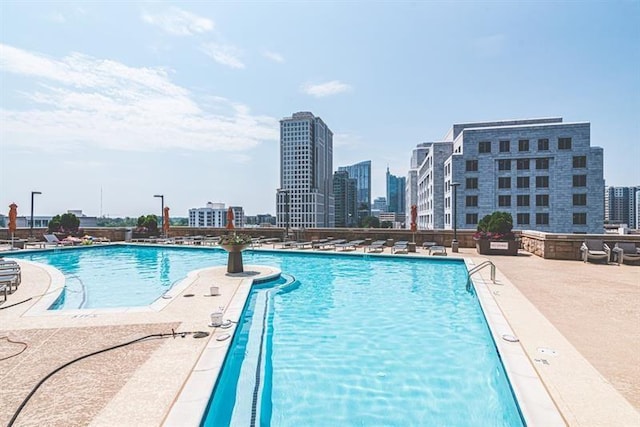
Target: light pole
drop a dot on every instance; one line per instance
(454, 242)
(161, 210)
(33, 193)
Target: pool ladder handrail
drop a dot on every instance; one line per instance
(480, 267)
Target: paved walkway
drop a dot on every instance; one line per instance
(579, 324)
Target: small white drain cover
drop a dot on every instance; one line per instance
(549, 351)
(222, 337)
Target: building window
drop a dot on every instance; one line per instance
(523, 182)
(472, 183)
(472, 218)
(505, 146)
(542, 163)
(522, 200)
(504, 182)
(542, 181)
(564, 143)
(579, 218)
(542, 218)
(484, 147)
(472, 166)
(579, 180)
(579, 200)
(543, 144)
(504, 165)
(542, 200)
(504, 201)
(523, 145)
(579, 162)
(523, 219)
(522, 164)
(472, 201)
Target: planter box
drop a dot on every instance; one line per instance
(234, 261)
(497, 247)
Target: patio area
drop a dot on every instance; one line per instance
(578, 323)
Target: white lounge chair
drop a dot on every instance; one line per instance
(53, 239)
(377, 246)
(597, 250)
(626, 251)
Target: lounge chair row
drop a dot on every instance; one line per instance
(10, 277)
(598, 250)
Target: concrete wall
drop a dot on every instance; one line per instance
(567, 246)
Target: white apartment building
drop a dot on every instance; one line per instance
(215, 215)
(305, 197)
(544, 172)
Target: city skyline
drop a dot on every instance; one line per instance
(106, 105)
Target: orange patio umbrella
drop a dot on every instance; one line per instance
(230, 218)
(414, 217)
(13, 217)
(165, 221)
(13, 220)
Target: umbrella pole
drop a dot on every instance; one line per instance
(12, 233)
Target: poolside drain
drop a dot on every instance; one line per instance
(510, 338)
(188, 295)
(200, 334)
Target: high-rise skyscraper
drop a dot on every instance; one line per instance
(344, 193)
(396, 193)
(620, 205)
(305, 197)
(361, 172)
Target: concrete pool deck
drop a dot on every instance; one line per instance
(578, 323)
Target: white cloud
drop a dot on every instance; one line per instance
(223, 54)
(333, 87)
(179, 22)
(273, 56)
(83, 101)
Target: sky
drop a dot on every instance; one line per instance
(105, 104)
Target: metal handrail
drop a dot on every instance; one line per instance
(480, 267)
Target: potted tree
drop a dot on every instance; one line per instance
(494, 235)
(234, 244)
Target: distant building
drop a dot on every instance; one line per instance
(621, 205)
(638, 210)
(394, 218)
(42, 221)
(260, 220)
(215, 215)
(344, 193)
(305, 197)
(361, 172)
(544, 172)
(396, 193)
(380, 204)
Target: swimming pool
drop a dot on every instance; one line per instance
(357, 341)
(353, 340)
(121, 275)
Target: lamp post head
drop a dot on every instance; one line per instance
(158, 195)
(36, 192)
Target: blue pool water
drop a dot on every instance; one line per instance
(351, 341)
(122, 276)
(364, 342)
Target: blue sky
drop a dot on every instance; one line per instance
(103, 105)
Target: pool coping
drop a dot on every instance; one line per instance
(192, 401)
(535, 404)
